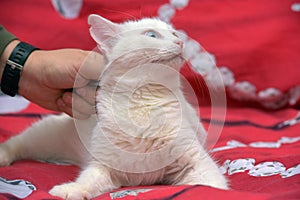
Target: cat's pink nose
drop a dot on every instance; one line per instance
(179, 42)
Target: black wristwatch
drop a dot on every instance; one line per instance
(13, 68)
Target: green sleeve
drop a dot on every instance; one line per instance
(5, 38)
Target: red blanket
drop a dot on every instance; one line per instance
(256, 43)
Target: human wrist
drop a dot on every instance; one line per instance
(14, 67)
(5, 55)
(29, 76)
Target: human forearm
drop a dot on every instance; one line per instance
(7, 43)
(5, 38)
(47, 77)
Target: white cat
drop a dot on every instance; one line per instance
(144, 132)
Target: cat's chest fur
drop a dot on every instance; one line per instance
(138, 109)
(142, 120)
(140, 134)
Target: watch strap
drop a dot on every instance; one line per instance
(13, 68)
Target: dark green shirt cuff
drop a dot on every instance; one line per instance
(5, 38)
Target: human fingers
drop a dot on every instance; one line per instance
(90, 69)
(63, 107)
(88, 93)
(69, 111)
(78, 105)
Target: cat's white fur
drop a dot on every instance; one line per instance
(145, 132)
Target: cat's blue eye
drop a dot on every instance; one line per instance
(152, 34)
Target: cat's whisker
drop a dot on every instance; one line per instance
(129, 16)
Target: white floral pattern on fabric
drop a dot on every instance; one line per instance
(243, 90)
(236, 144)
(69, 9)
(179, 4)
(18, 188)
(291, 171)
(271, 98)
(240, 165)
(228, 76)
(268, 168)
(12, 105)
(295, 7)
(166, 12)
(124, 193)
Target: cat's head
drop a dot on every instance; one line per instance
(149, 39)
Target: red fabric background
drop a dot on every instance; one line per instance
(258, 40)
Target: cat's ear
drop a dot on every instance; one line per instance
(104, 32)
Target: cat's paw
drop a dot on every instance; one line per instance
(219, 182)
(5, 157)
(71, 191)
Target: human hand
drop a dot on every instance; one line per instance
(49, 76)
